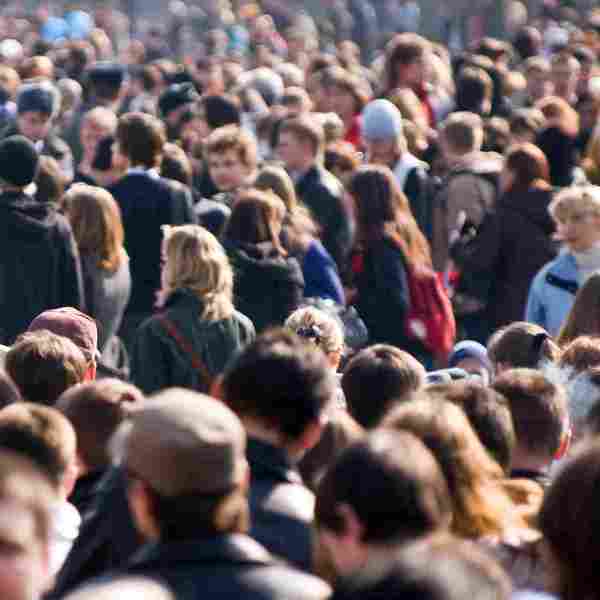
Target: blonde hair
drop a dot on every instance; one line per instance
(195, 260)
(574, 198)
(329, 336)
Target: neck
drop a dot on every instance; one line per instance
(267, 435)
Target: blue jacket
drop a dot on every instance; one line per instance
(549, 304)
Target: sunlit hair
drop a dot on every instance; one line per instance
(559, 113)
(95, 218)
(480, 505)
(318, 327)
(529, 166)
(195, 260)
(581, 198)
(584, 316)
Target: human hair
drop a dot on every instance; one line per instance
(220, 110)
(584, 316)
(564, 59)
(307, 129)
(488, 413)
(402, 49)
(280, 380)
(536, 64)
(275, 179)
(529, 167)
(474, 88)
(96, 409)
(43, 365)
(410, 107)
(341, 158)
(377, 379)
(318, 327)
(480, 505)
(399, 471)
(176, 165)
(559, 113)
(522, 345)
(141, 138)
(257, 217)
(232, 137)
(527, 120)
(103, 117)
(195, 260)
(570, 524)
(582, 198)
(41, 434)
(462, 132)
(95, 218)
(382, 211)
(538, 408)
(49, 181)
(9, 392)
(349, 83)
(580, 354)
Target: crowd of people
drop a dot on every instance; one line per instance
(289, 311)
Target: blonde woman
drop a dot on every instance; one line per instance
(198, 330)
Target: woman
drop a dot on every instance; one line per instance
(96, 222)
(591, 160)
(321, 277)
(390, 241)
(584, 316)
(515, 240)
(198, 331)
(268, 283)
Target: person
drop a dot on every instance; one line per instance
(413, 502)
(300, 145)
(147, 202)
(134, 588)
(576, 211)
(40, 241)
(584, 316)
(378, 378)
(391, 243)
(268, 283)
(9, 392)
(43, 365)
(514, 240)
(171, 104)
(193, 508)
(472, 357)
(49, 182)
(564, 73)
(98, 229)
(538, 82)
(47, 438)
(282, 389)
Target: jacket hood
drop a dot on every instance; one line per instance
(532, 205)
(25, 215)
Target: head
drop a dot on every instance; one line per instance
(19, 162)
(525, 167)
(300, 143)
(461, 134)
(97, 124)
(349, 94)
(184, 455)
(584, 316)
(382, 133)
(140, 138)
(276, 179)
(37, 106)
(174, 100)
(342, 159)
(377, 379)
(564, 71)
(43, 365)
(474, 90)
(281, 388)
(96, 410)
(231, 155)
(195, 260)
(580, 354)
(176, 165)
(9, 392)
(104, 82)
(525, 124)
(472, 357)
(405, 61)
(49, 181)
(538, 78)
(413, 499)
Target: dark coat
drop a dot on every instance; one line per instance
(323, 194)
(281, 507)
(267, 286)
(513, 243)
(227, 567)
(40, 267)
(158, 361)
(146, 204)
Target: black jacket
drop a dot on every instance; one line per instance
(267, 286)
(147, 203)
(281, 507)
(323, 194)
(227, 567)
(40, 267)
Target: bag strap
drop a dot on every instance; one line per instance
(184, 345)
(563, 284)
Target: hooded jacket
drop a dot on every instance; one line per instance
(40, 267)
(268, 287)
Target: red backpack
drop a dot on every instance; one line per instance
(430, 319)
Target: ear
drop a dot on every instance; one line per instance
(140, 505)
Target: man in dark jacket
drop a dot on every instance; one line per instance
(147, 202)
(184, 454)
(300, 146)
(40, 268)
(281, 388)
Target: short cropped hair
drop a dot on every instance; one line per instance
(281, 381)
(463, 132)
(232, 137)
(538, 408)
(307, 129)
(44, 365)
(141, 138)
(473, 87)
(378, 378)
(573, 199)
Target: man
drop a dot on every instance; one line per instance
(173, 102)
(565, 72)
(41, 267)
(300, 147)
(184, 455)
(281, 388)
(147, 202)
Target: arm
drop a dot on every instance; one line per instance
(150, 359)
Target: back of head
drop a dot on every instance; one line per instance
(377, 379)
(584, 316)
(141, 138)
(581, 354)
(462, 132)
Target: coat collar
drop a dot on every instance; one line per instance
(270, 461)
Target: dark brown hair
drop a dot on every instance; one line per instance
(584, 316)
(306, 129)
(141, 138)
(403, 49)
(529, 166)
(581, 354)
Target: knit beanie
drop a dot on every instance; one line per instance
(37, 97)
(18, 161)
(381, 120)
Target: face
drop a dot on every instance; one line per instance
(381, 152)
(342, 102)
(34, 125)
(565, 81)
(579, 230)
(91, 133)
(227, 170)
(411, 74)
(289, 151)
(538, 85)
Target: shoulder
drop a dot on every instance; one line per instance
(244, 322)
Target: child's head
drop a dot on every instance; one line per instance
(231, 155)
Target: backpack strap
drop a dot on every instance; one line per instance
(197, 364)
(563, 284)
